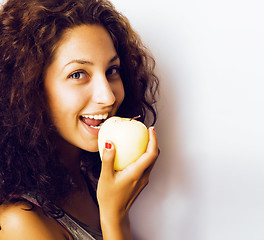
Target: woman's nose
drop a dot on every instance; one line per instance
(102, 91)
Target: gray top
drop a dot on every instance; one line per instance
(77, 229)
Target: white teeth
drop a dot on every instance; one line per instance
(97, 117)
(96, 127)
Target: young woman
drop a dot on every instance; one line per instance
(65, 67)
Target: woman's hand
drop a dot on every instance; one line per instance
(117, 190)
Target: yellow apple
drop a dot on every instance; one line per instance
(130, 138)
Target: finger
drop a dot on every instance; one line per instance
(141, 184)
(153, 142)
(148, 159)
(149, 169)
(108, 158)
(134, 197)
(151, 154)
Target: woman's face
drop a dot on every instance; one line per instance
(83, 84)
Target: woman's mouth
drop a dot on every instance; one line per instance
(94, 121)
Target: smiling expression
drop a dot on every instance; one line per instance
(83, 84)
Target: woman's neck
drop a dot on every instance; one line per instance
(70, 157)
(79, 203)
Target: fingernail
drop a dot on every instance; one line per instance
(153, 128)
(108, 145)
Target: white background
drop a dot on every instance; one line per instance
(209, 181)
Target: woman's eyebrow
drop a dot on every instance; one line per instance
(114, 58)
(83, 61)
(79, 61)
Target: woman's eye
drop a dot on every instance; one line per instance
(113, 71)
(77, 75)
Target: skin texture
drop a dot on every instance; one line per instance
(15, 220)
(83, 79)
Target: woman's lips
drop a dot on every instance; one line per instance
(91, 122)
(92, 125)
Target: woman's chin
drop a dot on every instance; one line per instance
(91, 148)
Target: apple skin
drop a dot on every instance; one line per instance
(130, 138)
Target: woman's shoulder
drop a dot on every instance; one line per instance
(21, 219)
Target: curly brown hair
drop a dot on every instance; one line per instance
(30, 31)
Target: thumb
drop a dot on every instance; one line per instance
(108, 158)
